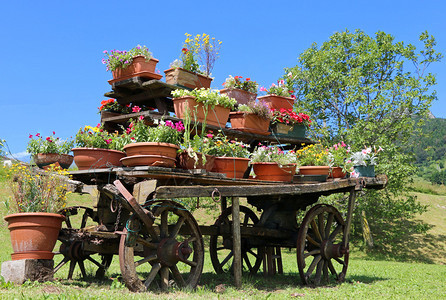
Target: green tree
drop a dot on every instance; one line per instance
(370, 91)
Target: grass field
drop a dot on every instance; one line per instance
(367, 278)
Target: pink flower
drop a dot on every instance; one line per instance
(136, 109)
(49, 139)
(179, 126)
(54, 133)
(263, 89)
(209, 135)
(335, 146)
(30, 136)
(169, 124)
(141, 118)
(343, 144)
(108, 141)
(38, 134)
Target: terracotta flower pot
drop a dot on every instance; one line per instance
(183, 78)
(96, 158)
(216, 117)
(138, 68)
(151, 148)
(284, 130)
(249, 122)
(148, 160)
(314, 170)
(336, 172)
(43, 160)
(184, 161)
(33, 235)
(273, 172)
(233, 167)
(242, 97)
(277, 102)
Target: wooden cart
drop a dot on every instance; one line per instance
(140, 217)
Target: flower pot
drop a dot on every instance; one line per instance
(33, 235)
(151, 148)
(232, 167)
(184, 161)
(242, 97)
(284, 130)
(43, 160)
(249, 122)
(273, 172)
(216, 117)
(96, 158)
(183, 78)
(336, 172)
(314, 170)
(138, 68)
(148, 160)
(277, 102)
(364, 171)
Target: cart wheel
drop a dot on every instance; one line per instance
(76, 218)
(320, 249)
(220, 247)
(174, 257)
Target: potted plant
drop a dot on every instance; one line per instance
(242, 91)
(96, 148)
(111, 108)
(273, 164)
(313, 160)
(364, 162)
(152, 146)
(287, 123)
(204, 105)
(231, 156)
(50, 150)
(338, 160)
(34, 222)
(278, 96)
(187, 72)
(194, 153)
(253, 117)
(136, 62)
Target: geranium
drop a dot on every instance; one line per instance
(164, 132)
(113, 106)
(50, 144)
(97, 137)
(201, 48)
(37, 191)
(273, 154)
(221, 146)
(339, 156)
(313, 155)
(289, 117)
(279, 90)
(366, 156)
(259, 108)
(121, 59)
(237, 83)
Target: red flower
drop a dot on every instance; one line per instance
(184, 50)
(30, 136)
(248, 79)
(54, 133)
(49, 139)
(136, 109)
(38, 134)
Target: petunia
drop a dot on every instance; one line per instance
(136, 109)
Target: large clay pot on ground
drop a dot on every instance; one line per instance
(273, 172)
(183, 78)
(33, 235)
(232, 167)
(43, 160)
(249, 122)
(138, 68)
(218, 116)
(96, 158)
(277, 102)
(242, 97)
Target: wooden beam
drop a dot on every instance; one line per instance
(236, 238)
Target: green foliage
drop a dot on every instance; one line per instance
(50, 144)
(237, 83)
(222, 146)
(207, 97)
(165, 132)
(370, 91)
(259, 108)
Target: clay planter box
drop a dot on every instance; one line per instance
(148, 160)
(184, 161)
(138, 68)
(232, 167)
(216, 117)
(33, 235)
(273, 172)
(96, 158)
(44, 160)
(242, 97)
(284, 130)
(249, 122)
(277, 102)
(336, 172)
(183, 78)
(314, 170)
(151, 148)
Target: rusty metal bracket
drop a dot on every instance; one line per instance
(215, 193)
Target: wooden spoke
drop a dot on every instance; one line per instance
(190, 263)
(146, 243)
(71, 270)
(155, 268)
(317, 224)
(246, 259)
(82, 267)
(227, 258)
(61, 264)
(164, 272)
(177, 227)
(145, 259)
(95, 261)
(246, 220)
(84, 219)
(177, 276)
(68, 222)
(164, 226)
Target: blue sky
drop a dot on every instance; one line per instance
(51, 51)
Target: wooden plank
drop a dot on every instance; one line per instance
(236, 240)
